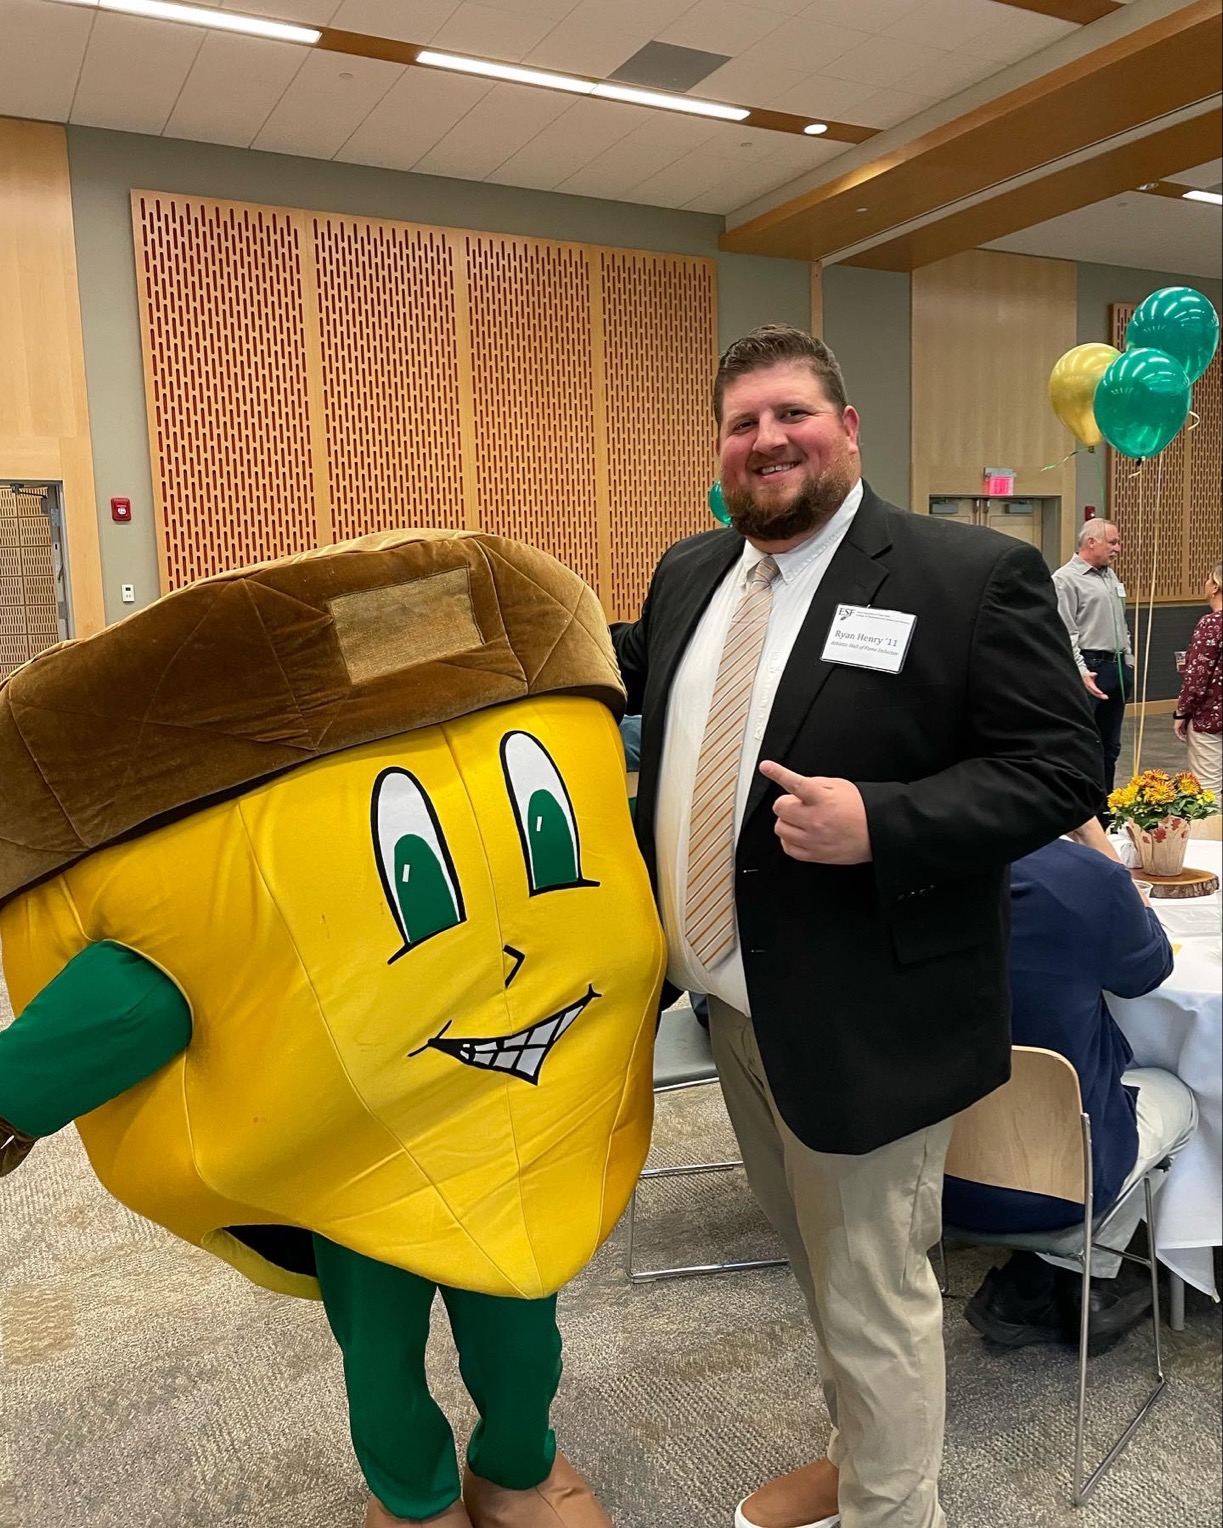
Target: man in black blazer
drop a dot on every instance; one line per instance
(915, 724)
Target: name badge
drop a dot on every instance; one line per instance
(866, 638)
(1120, 590)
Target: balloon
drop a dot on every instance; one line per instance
(1180, 322)
(717, 504)
(1072, 386)
(1141, 402)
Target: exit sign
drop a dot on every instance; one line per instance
(999, 482)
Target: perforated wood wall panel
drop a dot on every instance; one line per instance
(659, 354)
(533, 399)
(314, 377)
(226, 387)
(389, 352)
(1168, 509)
(28, 621)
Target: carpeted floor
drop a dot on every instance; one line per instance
(143, 1383)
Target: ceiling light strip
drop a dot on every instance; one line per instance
(1213, 197)
(202, 16)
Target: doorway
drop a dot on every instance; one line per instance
(35, 611)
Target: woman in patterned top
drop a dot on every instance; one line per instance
(1198, 718)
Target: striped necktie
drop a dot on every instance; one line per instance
(709, 908)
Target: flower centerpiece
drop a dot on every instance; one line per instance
(1157, 808)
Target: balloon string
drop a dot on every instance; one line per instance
(1197, 419)
(1053, 466)
(1146, 663)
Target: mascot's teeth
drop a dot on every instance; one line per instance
(521, 1054)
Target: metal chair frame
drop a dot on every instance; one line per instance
(1085, 1484)
(691, 1270)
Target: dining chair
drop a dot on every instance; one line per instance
(683, 1059)
(1032, 1134)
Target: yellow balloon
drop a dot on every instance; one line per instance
(1072, 386)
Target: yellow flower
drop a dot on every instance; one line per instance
(1161, 792)
(1188, 784)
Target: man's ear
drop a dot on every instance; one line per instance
(851, 422)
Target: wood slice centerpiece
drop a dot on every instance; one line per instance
(1185, 883)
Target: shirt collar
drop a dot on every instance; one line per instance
(1085, 567)
(792, 563)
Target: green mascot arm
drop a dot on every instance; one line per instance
(107, 1021)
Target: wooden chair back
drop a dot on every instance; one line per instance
(1027, 1134)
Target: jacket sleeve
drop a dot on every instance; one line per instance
(1031, 766)
(1139, 955)
(1068, 611)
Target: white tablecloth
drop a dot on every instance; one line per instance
(1179, 1027)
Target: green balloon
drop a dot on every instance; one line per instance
(1141, 401)
(1180, 322)
(717, 504)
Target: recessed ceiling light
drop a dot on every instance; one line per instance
(202, 16)
(690, 104)
(1212, 197)
(1148, 185)
(815, 128)
(490, 69)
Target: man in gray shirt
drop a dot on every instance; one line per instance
(1091, 603)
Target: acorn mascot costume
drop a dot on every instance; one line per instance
(324, 920)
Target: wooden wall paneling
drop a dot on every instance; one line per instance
(533, 395)
(660, 327)
(44, 414)
(1167, 508)
(987, 328)
(225, 349)
(390, 374)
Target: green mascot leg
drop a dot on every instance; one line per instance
(510, 1360)
(380, 1317)
(107, 1021)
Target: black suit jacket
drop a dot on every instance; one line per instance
(879, 992)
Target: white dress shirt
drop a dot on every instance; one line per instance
(798, 577)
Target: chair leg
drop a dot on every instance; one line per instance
(1083, 1489)
(942, 1266)
(651, 1275)
(1176, 1302)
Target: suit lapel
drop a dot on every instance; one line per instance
(705, 571)
(854, 574)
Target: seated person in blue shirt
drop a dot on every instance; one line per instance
(1080, 928)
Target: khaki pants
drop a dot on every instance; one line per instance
(1204, 757)
(857, 1230)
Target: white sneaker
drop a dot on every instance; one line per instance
(745, 1522)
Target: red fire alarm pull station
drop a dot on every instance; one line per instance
(121, 510)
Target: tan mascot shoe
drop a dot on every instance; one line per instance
(563, 1500)
(455, 1516)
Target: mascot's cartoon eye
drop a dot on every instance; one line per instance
(544, 814)
(417, 873)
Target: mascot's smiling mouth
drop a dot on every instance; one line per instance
(521, 1054)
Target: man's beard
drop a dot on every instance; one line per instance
(812, 507)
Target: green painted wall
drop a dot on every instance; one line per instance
(106, 166)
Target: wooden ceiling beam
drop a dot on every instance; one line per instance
(1081, 11)
(1173, 63)
(1094, 180)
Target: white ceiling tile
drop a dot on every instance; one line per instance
(577, 47)
(720, 26)
(402, 20)
(690, 176)
(806, 43)
(150, 61)
(488, 32)
(419, 109)
(552, 10)
(568, 144)
(864, 15)
(311, 13)
(40, 61)
(648, 16)
(887, 107)
(618, 169)
(752, 82)
(798, 155)
(954, 20)
(738, 187)
(884, 61)
(1016, 34)
(1203, 176)
(500, 124)
(948, 75)
(821, 98)
(329, 97)
(674, 131)
(233, 86)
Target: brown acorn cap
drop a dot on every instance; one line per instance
(245, 675)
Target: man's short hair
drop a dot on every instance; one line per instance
(1092, 530)
(773, 345)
